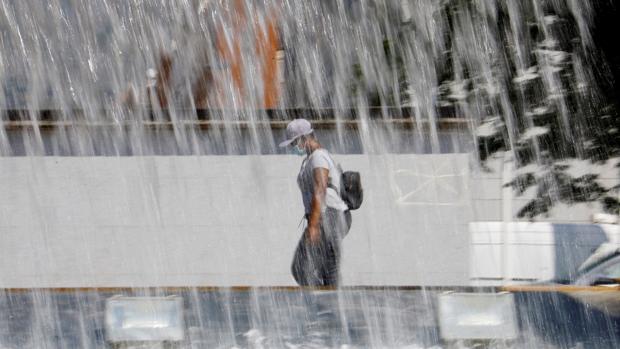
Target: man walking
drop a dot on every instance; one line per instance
(317, 257)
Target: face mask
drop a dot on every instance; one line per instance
(298, 151)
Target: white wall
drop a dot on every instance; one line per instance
(233, 220)
(222, 220)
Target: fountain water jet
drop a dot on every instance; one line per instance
(383, 79)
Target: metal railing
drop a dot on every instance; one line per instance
(208, 118)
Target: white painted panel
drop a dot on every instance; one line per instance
(234, 220)
(222, 220)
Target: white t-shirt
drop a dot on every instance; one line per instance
(320, 158)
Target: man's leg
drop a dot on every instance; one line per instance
(319, 265)
(330, 263)
(334, 226)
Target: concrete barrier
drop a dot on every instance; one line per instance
(235, 220)
(222, 220)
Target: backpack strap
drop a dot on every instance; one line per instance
(331, 185)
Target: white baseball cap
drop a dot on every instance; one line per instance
(295, 129)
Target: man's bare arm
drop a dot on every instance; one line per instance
(320, 178)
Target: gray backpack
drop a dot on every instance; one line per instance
(350, 190)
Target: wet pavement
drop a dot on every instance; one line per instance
(293, 318)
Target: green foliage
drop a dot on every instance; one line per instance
(555, 186)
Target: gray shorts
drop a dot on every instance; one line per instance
(319, 264)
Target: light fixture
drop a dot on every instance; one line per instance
(464, 316)
(139, 319)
